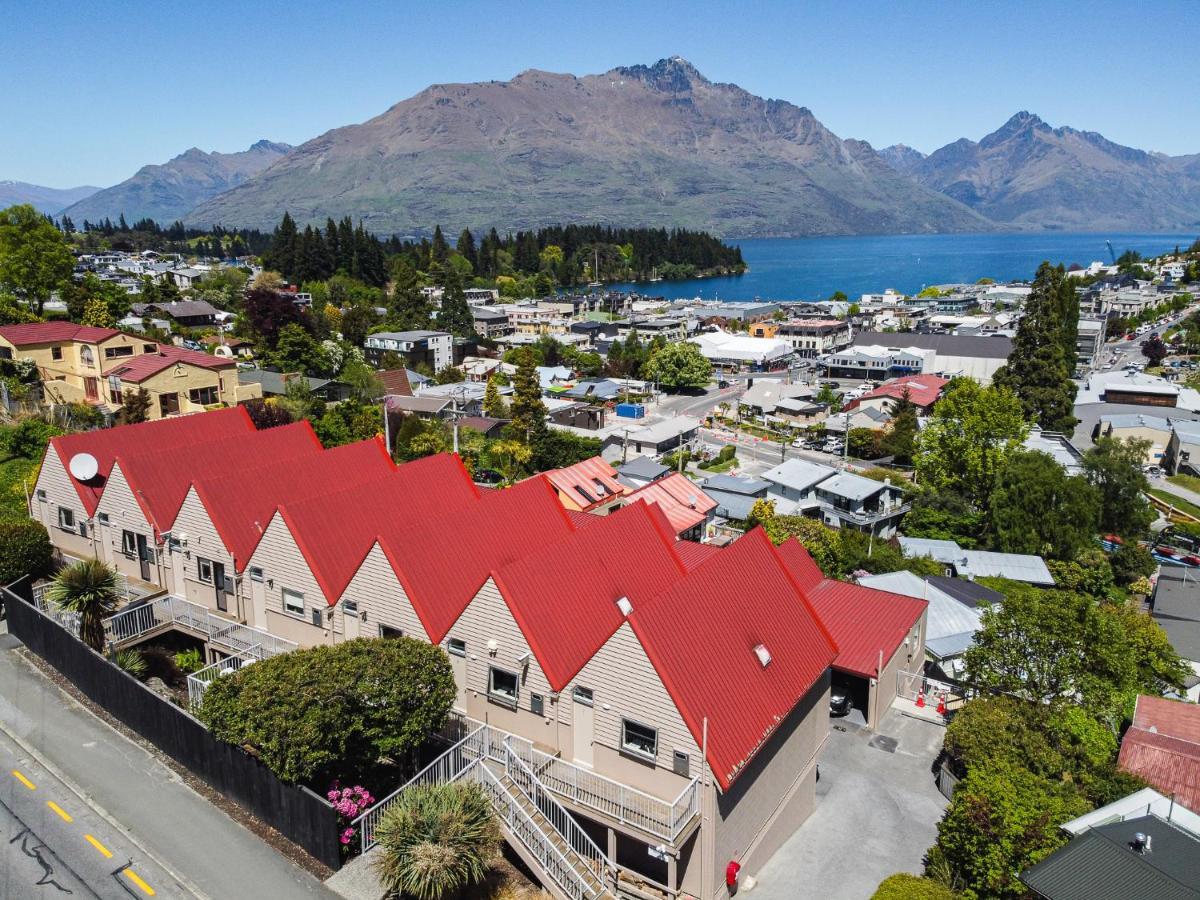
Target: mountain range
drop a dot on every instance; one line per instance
(43, 199)
(169, 191)
(1028, 174)
(657, 145)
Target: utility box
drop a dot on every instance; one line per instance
(631, 410)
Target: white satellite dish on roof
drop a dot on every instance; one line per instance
(83, 467)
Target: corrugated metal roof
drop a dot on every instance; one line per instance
(420, 499)
(923, 390)
(160, 481)
(801, 564)
(48, 332)
(588, 484)
(443, 563)
(680, 499)
(692, 554)
(1163, 747)
(701, 636)
(1101, 864)
(601, 563)
(1145, 802)
(160, 435)
(242, 503)
(946, 616)
(136, 369)
(866, 624)
(799, 474)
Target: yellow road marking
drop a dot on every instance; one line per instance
(99, 846)
(25, 781)
(136, 879)
(61, 812)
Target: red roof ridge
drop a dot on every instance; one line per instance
(787, 572)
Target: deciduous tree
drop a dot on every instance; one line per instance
(679, 366)
(1114, 466)
(35, 260)
(1037, 508)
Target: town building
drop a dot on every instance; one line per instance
(1175, 606)
(878, 356)
(980, 563)
(811, 338)
(433, 348)
(1162, 746)
(736, 351)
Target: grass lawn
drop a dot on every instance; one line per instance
(1188, 482)
(719, 467)
(1178, 502)
(12, 494)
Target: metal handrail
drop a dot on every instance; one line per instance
(554, 813)
(446, 768)
(199, 680)
(522, 826)
(134, 621)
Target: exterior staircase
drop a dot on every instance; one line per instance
(533, 821)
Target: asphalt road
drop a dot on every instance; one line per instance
(54, 844)
(124, 797)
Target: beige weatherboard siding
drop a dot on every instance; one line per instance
(117, 513)
(54, 490)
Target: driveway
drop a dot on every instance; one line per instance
(877, 814)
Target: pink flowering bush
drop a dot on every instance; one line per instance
(350, 803)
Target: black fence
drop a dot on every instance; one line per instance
(295, 812)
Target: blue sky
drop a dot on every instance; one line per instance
(93, 91)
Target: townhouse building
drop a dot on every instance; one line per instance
(433, 348)
(673, 697)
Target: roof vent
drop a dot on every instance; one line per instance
(83, 466)
(624, 606)
(763, 654)
(1140, 842)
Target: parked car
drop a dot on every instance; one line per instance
(840, 701)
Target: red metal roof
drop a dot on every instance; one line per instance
(159, 436)
(701, 636)
(50, 332)
(803, 567)
(335, 530)
(629, 553)
(136, 369)
(692, 554)
(680, 498)
(865, 623)
(588, 484)
(442, 564)
(160, 481)
(242, 503)
(1163, 747)
(923, 390)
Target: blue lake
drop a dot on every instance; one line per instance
(813, 268)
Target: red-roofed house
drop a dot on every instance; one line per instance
(588, 486)
(1163, 747)
(66, 506)
(145, 490)
(686, 507)
(923, 391)
(878, 634)
(84, 364)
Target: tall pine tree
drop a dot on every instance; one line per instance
(455, 315)
(1042, 360)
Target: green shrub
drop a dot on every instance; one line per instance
(437, 840)
(24, 550)
(334, 711)
(727, 453)
(1130, 562)
(28, 439)
(129, 661)
(903, 886)
(189, 660)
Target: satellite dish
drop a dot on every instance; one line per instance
(83, 467)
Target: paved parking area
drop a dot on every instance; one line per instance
(877, 813)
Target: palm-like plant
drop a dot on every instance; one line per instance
(91, 589)
(437, 840)
(131, 662)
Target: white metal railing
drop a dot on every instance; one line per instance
(629, 806)
(68, 620)
(531, 835)
(169, 610)
(595, 862)
(446, 768)
(199, 680)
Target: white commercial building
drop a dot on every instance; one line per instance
(724, 349)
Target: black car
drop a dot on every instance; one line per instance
(840, 700)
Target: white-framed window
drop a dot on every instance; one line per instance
(537, 704)
(56, 353)
(128, 543)
(293, 602)
(456, 647)
(117, 352)
(204, 570)
(583, 695)
(638, 739)
(350, 607)
(503, 686)
(102, 518)
(41, 495)
(205, 396)
(387, 631)
(256, 573)
(66, 518)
